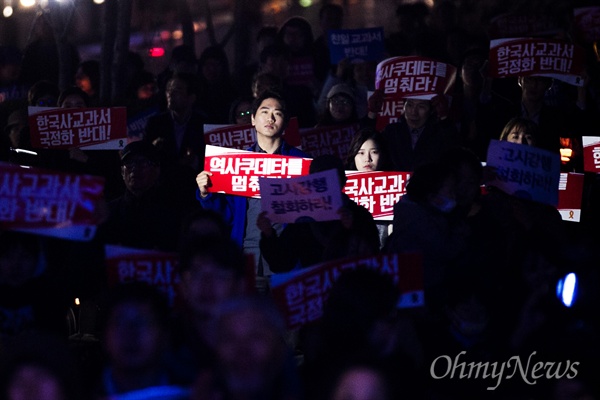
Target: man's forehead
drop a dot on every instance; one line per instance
(416, 102)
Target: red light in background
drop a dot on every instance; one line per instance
(156, 52)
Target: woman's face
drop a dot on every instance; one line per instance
(519, 135)
(340, 107)
(367, 158)
(73, 101)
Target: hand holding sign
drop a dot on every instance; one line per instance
(203, 182)
(265, 225)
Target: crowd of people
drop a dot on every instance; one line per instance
(491, 326)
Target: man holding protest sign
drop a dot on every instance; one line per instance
(270, 118)
(411, 109)
(421, 134)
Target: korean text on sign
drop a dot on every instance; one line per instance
(316, 197)
(377, 191)
(66, 128)
(524, 171)
(236, 171)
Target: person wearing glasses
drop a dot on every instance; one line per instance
(340, 108)
(146, 215)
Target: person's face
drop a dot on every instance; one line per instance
(83, 82)
(364, 73)
(519, 135)
(16, 136)
(533, 88)
(340, 107)
(416, 112)
(147, 91)
(360, 384)
(178, 98)
(73, 101)
(269, 120)
(31, 382)
(134, 337)
(205, 285)
(139, 173)
(249, 350)
(470, 70)
(367, 158)
(243, 113)
(212, 70)
(294, 38)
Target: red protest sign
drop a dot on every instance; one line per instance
(85, 128)
(377, 191)
(328, 140)
(241, 137)
(236, 171)
(156, 268)
(300, 295)
(48, 202)
(570, 193)
(542, 57)
(591, 153)
(414, 76)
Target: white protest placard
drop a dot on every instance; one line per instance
(314, 197)
(524, 171)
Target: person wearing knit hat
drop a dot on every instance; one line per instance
(341, 106)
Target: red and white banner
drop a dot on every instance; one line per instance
(586, 22)
(314, 197)
(49, 203)
(552, 58)
(328, 140)
(301, 294)
(237, 171)
(414, 76)
(391, 111)
(524, 171)
(570, 193)
(591, 153)
(522, 25)
(85, 128)
(159, 269)
(241, 137)
(377, 191)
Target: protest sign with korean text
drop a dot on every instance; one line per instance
(415, 77)
(99, 128)
(586, 22)
(524, 171)
(511, 25)
(243, 136)
(313, 197)
(237, 171)
(570, 193)
(301, 294)
(377, 191)
(334, 139)
(591, 153)
(552, 58)
(49, 203)
(156, 268)
(356, 45)
(136, 124)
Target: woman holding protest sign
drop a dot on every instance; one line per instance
(367, 153)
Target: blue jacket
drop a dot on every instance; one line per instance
(233, 208)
